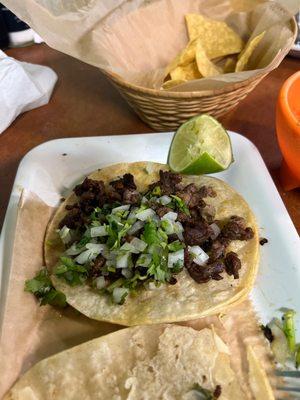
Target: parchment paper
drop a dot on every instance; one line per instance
(136, 39)
(31, 333)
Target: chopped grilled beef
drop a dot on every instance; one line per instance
(218, 391)
(196, 233)
(236, 229)
(187, 258)
(172, 281)
(172, 238)
(232, 264)
(162, 210)
(208, 212)
(207, 191)
(263, 241)
(74, 219)
(182, 217)
(96, 267)
(207, 272)
(191, 196)
(218, 249)
(168, 182)
(91, 194)
(124, 190)
(126, 182)
(131, 196)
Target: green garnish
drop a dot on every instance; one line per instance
(41, 286)
(156, 191)
(150, 235)
(288, 328)
(180, 204)
(175, 246)
(297, 357)
(73, 273)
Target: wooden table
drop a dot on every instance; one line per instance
(84, 103)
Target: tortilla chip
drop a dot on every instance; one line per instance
(186, 72)
(217, 38)
(229, 65)
(247, 52)
(187, 299)
(205, 66)
(171, 83)
(185, 57)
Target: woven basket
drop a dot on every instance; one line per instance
(166, 110)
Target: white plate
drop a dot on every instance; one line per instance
(50, 174)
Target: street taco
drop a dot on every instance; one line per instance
(137, 244)
(145, 362)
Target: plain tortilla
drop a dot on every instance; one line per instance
(186, 300)
(147, 362)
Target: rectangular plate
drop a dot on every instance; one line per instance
(53, 168)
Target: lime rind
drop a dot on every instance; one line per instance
(201, 145)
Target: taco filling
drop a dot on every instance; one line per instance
(119, 240)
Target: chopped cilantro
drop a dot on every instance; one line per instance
(150, 235)
(175, 246)
(156, 191)
(73, 273)
(41, 286)
(180, 204)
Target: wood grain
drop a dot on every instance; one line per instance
(84, 103)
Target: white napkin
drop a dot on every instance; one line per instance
(23, 86)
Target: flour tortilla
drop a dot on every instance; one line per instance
(148, 362)
(187, 299)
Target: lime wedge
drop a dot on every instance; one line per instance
(200, 146)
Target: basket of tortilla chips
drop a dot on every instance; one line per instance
(170, 59)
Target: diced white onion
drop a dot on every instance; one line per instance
(120, 208)
(127, 273)
(96, 247)
(165, 200)
(199, 255)
(118, 294)
(144, 200)
(123, 260)
(170, 216)
(99, 231)
(65, 234)
(174, 257)
(138, 244)
(74, 250)
(144, 260)
(216, 231)
(168, 226)
(178, 230)
(144, 215)
(100, 282)
(135, 227)
(85, 256)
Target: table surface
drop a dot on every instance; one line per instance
(84, 103)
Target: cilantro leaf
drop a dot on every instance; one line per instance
(176, 245)
(73, 273)
(41, 286)
(150, 235)
(180, 204)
